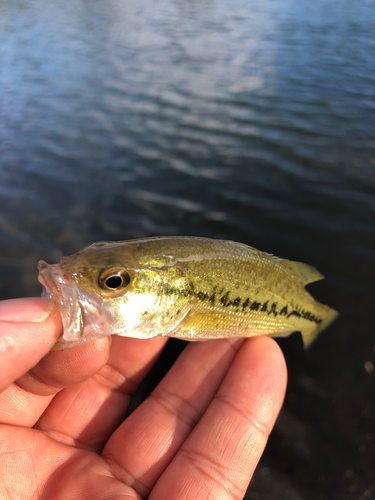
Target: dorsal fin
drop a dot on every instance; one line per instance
(307, 273)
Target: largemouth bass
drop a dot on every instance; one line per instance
(185, 287)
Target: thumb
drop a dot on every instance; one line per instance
(28, 329)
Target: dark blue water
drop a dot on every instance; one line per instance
(253, 121)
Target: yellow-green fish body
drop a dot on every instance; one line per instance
(185, 287)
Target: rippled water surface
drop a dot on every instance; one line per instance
(253, 121)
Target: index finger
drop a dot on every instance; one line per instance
(28, 329)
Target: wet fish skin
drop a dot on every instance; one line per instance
(185, 287)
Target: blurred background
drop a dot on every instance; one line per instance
(245, 120)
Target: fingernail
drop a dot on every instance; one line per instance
(32, 310)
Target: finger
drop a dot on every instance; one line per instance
(24, 401)
(20, 407)
(156, 430)
(218, 459)
(60, 369)
(87, 414)
(28, 329)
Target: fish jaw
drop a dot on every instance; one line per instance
(80, 314)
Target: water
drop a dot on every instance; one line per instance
(252, 121)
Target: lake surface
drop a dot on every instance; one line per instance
(252, 121)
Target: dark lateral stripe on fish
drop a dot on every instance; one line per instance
(258, 306)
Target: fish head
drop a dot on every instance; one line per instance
(103, 290)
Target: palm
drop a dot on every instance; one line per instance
(199, 435)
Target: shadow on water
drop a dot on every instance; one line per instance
(248, 121)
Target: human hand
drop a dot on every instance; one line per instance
(62, 430)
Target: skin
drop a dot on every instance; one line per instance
(62, 430)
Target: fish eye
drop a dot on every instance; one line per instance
(114, 279)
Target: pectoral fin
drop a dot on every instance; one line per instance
(203, 326)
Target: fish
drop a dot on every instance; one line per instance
(190, 288)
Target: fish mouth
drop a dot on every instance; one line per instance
(81, 314)
(57, 287)
(46, 279)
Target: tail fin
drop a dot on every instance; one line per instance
(308, 337)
